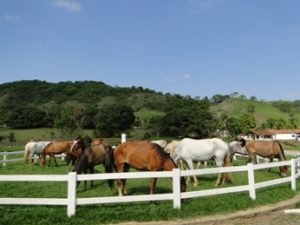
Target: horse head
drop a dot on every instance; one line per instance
(77, 143)
(242, 142)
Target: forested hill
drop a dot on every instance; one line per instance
(43, 94)
(91, 92)
(35, 103)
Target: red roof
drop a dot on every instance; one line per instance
(262, 132)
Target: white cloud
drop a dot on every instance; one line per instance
(177, 78)
(9, 17)
(293, 95)
(69, 5)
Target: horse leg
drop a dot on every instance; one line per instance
(49, 161)
(271, 160)
(92, 171)
(152, 185)
(85, 182)
(120, 182)
(219, 163)
(191, 167)
(54, 158)
(126, 169)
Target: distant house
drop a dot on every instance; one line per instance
(272, 134)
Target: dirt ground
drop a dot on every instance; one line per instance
(265, 215)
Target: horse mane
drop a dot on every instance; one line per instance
(164, 155)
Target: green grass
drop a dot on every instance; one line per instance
(122, 212)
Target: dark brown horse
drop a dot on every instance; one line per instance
(266, 149)
(92, 155)
(78, 148)
(141, 155)
(55, 148)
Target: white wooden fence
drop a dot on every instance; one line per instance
(176, 196)
(5, 157)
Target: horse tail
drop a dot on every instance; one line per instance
(26, 152)
(81, 164)
(281, 152)
(109, 164)
(227, 162)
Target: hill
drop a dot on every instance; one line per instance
(261, 110)
(145, 103)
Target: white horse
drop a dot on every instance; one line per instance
(191, 150)
(170, 147)
(34, 147)
(161, 143)
(236, 147)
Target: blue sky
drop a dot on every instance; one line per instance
(188, 47)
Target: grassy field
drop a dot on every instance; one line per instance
(114, 213)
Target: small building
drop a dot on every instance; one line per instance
(273, 134)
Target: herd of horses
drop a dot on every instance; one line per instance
(153, 156)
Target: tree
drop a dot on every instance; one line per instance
(26, 117)
(66, 121)
(233, 126)
(190, 118)
(113, 119)
(248, 122)
(87, 119)
(11, 138)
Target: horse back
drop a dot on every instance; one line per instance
(96, 153)
(263, 148)
(142, 155)
(202, 149)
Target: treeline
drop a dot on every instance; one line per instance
(72, 106)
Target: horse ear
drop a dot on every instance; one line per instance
(242, 142)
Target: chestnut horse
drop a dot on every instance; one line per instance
(55, 148)
(266, 149)
(92, 155)
(141, 155)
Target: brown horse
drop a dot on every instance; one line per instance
(78, 148)
(92, 155)
(55, 148)
(141, 155)
(266, 149)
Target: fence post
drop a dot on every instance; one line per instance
(123, 138)
(4, 158)
(72, 178)
(251, 181)
(293, 174)
(176, 189)
(63, 155)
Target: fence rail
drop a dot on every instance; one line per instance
(5, 157)
(176, 196)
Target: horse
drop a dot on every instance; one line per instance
(141, 155)
(235, 147)
(190, 150)
(92, 155)
(55, 148)
(170, 147)
(266, 149)
(98, 141)
(34, 147)
(162, 143)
